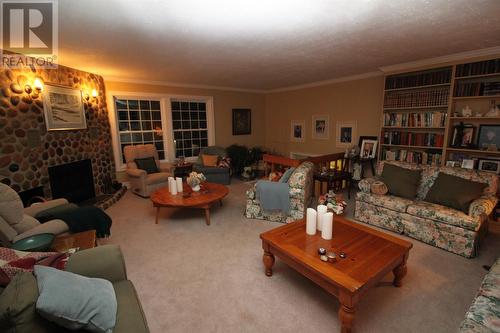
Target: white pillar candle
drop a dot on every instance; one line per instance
(178, 181)
(170, 184)
(174, 187)
(321, 211)
(327, 226)
(311, 221)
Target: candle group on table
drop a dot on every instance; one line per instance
(174, 185)
(320, 220)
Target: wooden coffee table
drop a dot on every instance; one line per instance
(370, 255)
(209, 193)
(82, 240)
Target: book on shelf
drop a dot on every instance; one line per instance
(419, 157)
(469, 89)
(415, 119)
(478, 68)
(418, 79)
(428, 97)
(403, 138)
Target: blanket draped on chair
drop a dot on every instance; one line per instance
(79, 219)
(273, 195)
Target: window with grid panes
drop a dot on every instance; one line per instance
(190, 128)
(139, 122)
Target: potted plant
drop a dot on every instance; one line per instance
(194, 180)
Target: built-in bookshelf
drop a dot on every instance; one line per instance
(424, 111)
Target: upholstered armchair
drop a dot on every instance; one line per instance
(17, 222)
(144, 182)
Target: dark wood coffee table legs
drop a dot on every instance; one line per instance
(157, 214)
(207, 215)
(346, 318)
(399, 273)
(206, 208)
(268, 260)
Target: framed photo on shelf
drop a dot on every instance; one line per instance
(467, 164)
(489, 137)
(345, 134)
(320, 127)
(489, 166)
(298, 131)
(368, 149)
(452, 164)
(463, 136)
(242, 121)
(63, 108)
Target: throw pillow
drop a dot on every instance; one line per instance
(224, 162)
(401, 182)
(286, 175)
(74, 301)
(454, 192)
(17, 307)
(147, 164)
(209, 160)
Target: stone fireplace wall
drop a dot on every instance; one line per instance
(27, 149)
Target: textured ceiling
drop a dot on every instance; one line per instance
(263, 44)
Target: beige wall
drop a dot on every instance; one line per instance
(358, 101)
(224, 102)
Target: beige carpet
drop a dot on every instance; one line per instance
(196, 278)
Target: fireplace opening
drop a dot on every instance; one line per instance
(73, 181)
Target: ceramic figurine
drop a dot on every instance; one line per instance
(494, 111)
(467, 111)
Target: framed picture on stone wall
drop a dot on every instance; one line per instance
(346, 134)
(242, 121)
(298, 131)
(320, 127)
(63, 108)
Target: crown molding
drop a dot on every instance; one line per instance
(327, 82)
(180, 85)
(462, 56)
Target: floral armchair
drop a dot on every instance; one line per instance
(301, 188)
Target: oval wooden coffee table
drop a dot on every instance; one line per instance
(209, 193)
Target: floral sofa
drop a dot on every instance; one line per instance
(434, 224)
(484, 313)
(301, 188)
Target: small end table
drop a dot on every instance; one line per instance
(83, 240)
(183, 170)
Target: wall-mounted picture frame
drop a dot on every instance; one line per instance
(489, 166)
(298, 131)
(368, 149)
(345, 134)
(321, 127)
(242, 121)
(489, 137)
(63, 108)
(463, 136)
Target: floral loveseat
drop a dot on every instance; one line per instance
(434, 224)
(301, 188)
(484, 313)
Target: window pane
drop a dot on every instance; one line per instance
(201, 106)
(134, 115)
(179, 144)
(186, 135)
(123, 115)
(158, 136)
(145, 115)
(193, 106)
(203, 134)
(186, 124)
(156, 115)
(177, 135)
(125, 138)
(159, 145)
(203, 116)
(176, 115)
(146, 125)
(176, 125)
(144, 105)
(133, 105)
(194, 115)
(179, 153)
(194, 125)
(135, 126)
(157, 125)
(203, 124)
(161, 155)
(123, 126)
(196, 152)
(204, 143)
(188, 153)
(155, 105)
(196, 134)
(121, 104)
(148, 136)
(184, 106)
(175, 106)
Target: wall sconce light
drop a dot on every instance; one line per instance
(37, 84)
(93, 93)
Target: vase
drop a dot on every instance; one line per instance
(196, 188)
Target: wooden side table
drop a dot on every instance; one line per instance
(183, 170)
(83, 240)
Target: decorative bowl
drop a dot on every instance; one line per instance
(35, 243)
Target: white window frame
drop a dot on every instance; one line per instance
(166, 120)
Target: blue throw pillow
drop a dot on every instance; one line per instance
(74, 301)
(286, 175)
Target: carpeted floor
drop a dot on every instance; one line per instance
(196, 278)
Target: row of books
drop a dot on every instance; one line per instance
(412, 138)
(478, 68)
(440, 76)
(464, 89)
(419, 157)
(428, 97)
(415, 119)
